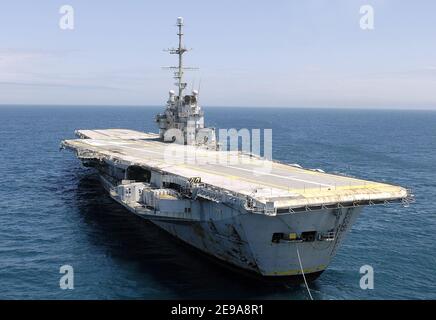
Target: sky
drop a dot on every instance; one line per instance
(289, 53)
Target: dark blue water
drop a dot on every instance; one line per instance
(53, 211)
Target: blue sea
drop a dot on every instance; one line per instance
(53, 211)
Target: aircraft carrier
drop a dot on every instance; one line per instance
(271, 218)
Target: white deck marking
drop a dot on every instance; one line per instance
(281, 177)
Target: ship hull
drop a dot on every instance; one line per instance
(245, 240)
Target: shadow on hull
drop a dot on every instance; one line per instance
(188, 273)
(273, 281)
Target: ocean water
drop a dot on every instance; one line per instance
(53, 211)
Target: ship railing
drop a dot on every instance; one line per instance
(409, 199)
(339, 205)
(215, 193)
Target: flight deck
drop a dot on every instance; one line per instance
(266, 181)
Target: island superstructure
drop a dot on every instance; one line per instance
(283, 221)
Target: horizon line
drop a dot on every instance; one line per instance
(431, 108)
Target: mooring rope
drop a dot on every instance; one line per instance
(302, 272)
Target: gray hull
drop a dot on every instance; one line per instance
(244, 239)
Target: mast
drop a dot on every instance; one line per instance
(179, 70)
(180, 52)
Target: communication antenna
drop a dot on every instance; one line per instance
(193, 84)
(199, 86)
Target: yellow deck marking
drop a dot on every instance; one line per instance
(236, 178)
